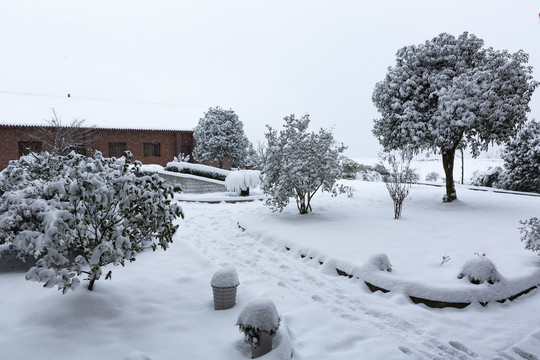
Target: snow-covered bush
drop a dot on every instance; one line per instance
(381, 261)
(198, 170)
(399, 178)
(480, 270)
(349, 168)
(372, 173)
(243, 180)
(530, 234)
(432, 176)
(259, 316)
(299, 163)
(225, 277)
(489, 178)
(76, 214)
(522, 160)
(219, 135)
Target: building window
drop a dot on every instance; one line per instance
(26, 147)
(117, 149)
(186, 149)
(152, 149)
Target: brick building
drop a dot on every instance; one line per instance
(148, 146)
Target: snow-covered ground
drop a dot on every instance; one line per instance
(162, 303)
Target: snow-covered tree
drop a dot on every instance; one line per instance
(530, 233)
(76, 214)
(299, 163)
(60, 138)
(522, 160)
(449, 91)
(219, 136)
(398, 178)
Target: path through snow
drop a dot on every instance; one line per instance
(312, 302)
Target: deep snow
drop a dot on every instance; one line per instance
(161, 305)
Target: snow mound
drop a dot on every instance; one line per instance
(381, 261)
(260, 315)
(225, 277)
(479, 271)
(137, 355)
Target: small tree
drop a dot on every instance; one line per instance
(219, 136)
(76, 214)
(530, 234)
(299, 163)
(61, 139)
(398, 179)
(451, 92)
(522, 160)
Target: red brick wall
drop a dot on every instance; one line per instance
(171, 142)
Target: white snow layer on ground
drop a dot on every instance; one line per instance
(161, 305)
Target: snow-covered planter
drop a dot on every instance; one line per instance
(224, 284)
(259, 321)
(381, 261)
(243, 180)
(480, 270)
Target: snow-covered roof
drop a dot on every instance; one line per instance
(96, 127)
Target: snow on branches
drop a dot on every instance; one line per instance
(299, 163)
(220, 135)
(75, 214)
(450, 92)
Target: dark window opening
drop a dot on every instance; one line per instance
(152, 149)
(26, 147)
(117, 149)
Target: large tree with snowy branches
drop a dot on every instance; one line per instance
(451, 91)
(219, 136)
(299, 163)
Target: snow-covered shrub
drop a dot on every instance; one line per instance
(398, 181)
(522, 160)
(299, 163)
(381, 261)
(349, 168)
(433, 176)
(259, 316)
(489, 178)
(480, 270)
(530, 234)
(198, 170)
(76, 214)
(219, 135)
(225, 277)
(242, 180)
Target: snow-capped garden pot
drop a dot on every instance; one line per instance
(259, 321)
(242, 180)
(224, 285)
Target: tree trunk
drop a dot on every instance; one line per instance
(91, 285)
(448, 165)
(462, 167)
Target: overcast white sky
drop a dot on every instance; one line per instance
(162, 64)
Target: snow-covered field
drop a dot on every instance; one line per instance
(162, 304)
